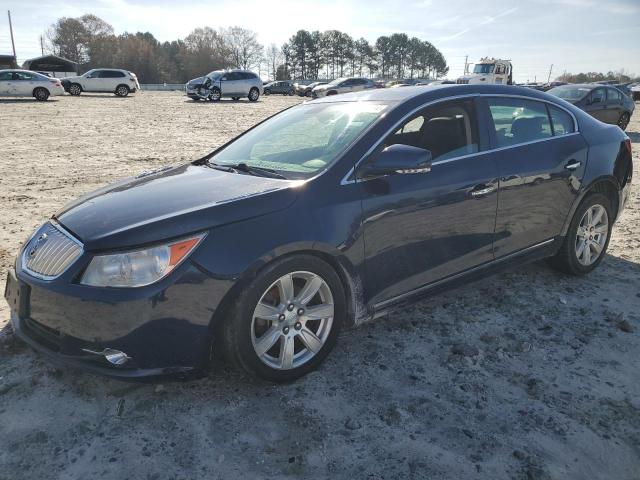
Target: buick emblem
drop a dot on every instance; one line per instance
(41, 240)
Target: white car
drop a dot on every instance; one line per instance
(112, 80)
(25, 83)
(342, 85)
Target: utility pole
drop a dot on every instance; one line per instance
(466, 64)
(13, 43)
(42, 45)
(550, 70)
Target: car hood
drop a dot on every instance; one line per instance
(171, 202)
(195, 80)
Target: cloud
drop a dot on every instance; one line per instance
(485, 21)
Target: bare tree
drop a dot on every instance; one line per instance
(274, 58)
(244, 49)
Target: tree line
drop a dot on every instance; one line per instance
(619, 76)
(92, 42)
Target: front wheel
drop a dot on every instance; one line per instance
(215, 94)
(75, 89)
(287, 321)
(623, 122)
(254, 94)
(587, 238)
(41, 94)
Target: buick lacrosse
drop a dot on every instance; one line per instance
(323, 216)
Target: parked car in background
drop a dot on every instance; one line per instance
(233, 84)
(342, 85)
(299, 85)
(604, 102)
(282, 87)
(25, 83)
(635, 91)
(306, 90)
(328, 214)
(103, 80)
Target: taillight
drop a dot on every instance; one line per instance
(627, 143)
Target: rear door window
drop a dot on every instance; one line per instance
(561, 121)
(614, 95)
(599, 95)
(519, 121)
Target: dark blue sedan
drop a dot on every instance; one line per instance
(323, 216)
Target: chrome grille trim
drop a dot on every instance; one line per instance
(49, 252)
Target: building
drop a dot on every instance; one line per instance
(8, 61)
(56, 66)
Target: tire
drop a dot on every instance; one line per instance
(122, 90)
(41, 94)
(623, 122)
(243, 331)
(215, 95)
(254, 94)
(291, 93)
(308, 93)
(75, 89)
(567, 259)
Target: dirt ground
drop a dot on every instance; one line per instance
(526, 375)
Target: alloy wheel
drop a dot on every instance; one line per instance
(624, 121)
(75, 90)
(591, 236)
(292, 320)
(253, 95)
(122, 91)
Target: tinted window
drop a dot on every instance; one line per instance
(233, 76)
(599, 95)
(24, 76)
(448, 130)
(561, 120)
(6, 76)
(112, 74)
(518, 120)
(614, 95)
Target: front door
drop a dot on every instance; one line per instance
(541, 159)
(422, 227)
(231, 84)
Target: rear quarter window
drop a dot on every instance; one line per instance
(562, 122)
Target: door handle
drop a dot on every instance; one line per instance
(481, 190)
(572, 164)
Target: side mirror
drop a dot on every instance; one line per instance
(398, 158)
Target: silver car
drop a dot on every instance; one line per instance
(342, 85)
(25, 83)
(233, 84)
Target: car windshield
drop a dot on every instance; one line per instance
(570, 93)
(484, 68)
(215, 74)
(300, 142)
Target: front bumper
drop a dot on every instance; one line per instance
(166, 330)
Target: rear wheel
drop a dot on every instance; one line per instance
(285, 323)
(292, 92)
(41, 94)
(624, 121)
(254, 94)
(122, 90)
(587, 238)
(75, 89)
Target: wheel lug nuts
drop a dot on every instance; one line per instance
(301, 311)
(281, 317)
(285, 330)
(290, 307)
(297, 326)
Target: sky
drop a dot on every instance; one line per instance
(572, 35)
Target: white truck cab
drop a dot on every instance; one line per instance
(489, 71)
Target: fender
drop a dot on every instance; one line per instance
(613, 181)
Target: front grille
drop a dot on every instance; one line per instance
(50, 252)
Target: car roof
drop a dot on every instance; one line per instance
(432, 92)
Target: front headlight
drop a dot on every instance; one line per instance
(138, 268)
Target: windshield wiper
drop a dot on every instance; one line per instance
(243, 167)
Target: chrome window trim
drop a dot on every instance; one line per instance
(346, 179)
(64, 232)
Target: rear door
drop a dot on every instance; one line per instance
(541, 160)
(111, 79)
(6, 83)
(614, 105)
(422, 227)
(23, 84)
(597, 104)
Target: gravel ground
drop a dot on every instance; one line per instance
(526, 375)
